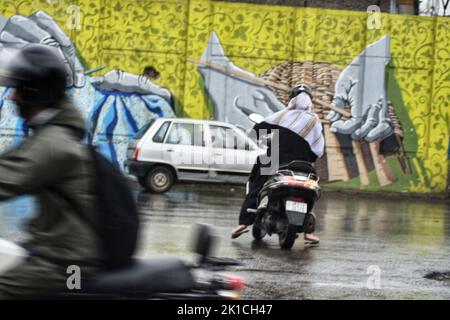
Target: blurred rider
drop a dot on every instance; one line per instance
(53, 166)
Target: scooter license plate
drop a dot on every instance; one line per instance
(296, 206)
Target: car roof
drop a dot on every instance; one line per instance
(188, 120)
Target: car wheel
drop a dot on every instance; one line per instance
(160, 179)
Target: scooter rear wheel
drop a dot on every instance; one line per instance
(287, 238)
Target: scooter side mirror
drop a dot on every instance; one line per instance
(256, 118)
(204, 241)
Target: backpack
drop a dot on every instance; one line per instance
(119, 217)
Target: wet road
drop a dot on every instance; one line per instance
(401, 240)
(361, 237)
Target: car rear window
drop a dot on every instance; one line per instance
(159, 136)
(144, 129)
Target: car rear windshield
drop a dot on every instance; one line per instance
(144, 129)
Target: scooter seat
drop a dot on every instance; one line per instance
(144, 276)
(298, 166)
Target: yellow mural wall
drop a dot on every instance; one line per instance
(130, 34)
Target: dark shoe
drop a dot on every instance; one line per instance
(311, 239)
(238, 232)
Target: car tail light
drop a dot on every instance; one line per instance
(136, 153)
(296, 199)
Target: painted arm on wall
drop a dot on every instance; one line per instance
(118, 80)
(41, 28)
(362, 85)
(257, 99)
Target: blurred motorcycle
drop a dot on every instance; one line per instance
(165, 277)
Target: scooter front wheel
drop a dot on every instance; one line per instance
(287, 237)
(258, 232)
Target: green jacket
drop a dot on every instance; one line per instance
(54, 166)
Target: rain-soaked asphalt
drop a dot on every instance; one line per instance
(402, 240)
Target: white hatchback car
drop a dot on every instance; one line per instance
(168, 150)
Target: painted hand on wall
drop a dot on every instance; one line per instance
(118, 80)
(257, 99)
(40, 28)
(362, 85)
(233, 97)
(367, 122)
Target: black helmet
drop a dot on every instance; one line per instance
(299, 89)
(39, 72)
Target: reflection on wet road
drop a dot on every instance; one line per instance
(402, 239)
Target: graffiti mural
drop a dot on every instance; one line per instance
(382, 94)
(115, 104)
(244, 93)
(352, 103)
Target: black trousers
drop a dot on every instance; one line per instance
(256, 182)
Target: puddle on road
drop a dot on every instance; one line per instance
(439, 276)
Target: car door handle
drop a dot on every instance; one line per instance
(169, 150)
